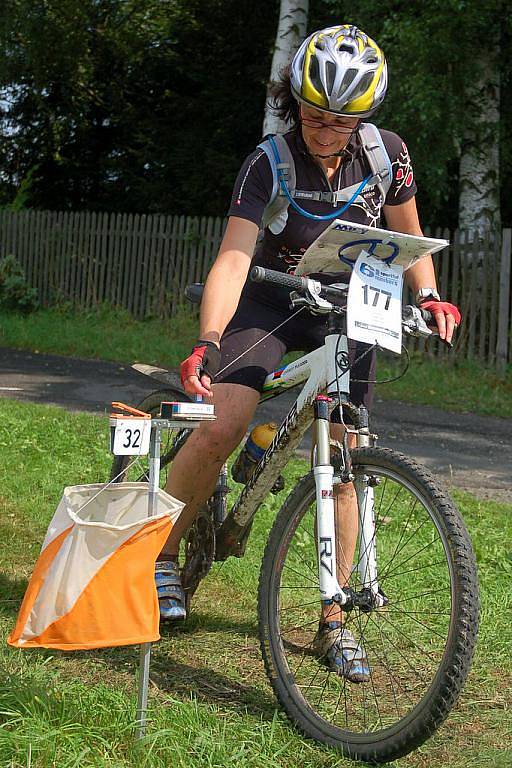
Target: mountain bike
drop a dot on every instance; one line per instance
(412, 596)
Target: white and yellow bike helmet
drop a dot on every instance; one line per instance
(340, 70)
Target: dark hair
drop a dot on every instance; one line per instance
(282, 101)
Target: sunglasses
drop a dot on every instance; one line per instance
(312, 122)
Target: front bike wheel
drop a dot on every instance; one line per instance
(136, 469)
(419, 646)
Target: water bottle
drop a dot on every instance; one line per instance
(254, 448)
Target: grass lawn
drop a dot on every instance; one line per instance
(211, 704)
(104, 334)
(114, 335)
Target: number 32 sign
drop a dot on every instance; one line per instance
(131, 437)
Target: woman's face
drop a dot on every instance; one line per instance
(325, 133)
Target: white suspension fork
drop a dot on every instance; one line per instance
(367, 545)
(325, 512)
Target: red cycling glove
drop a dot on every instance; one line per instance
(205, 359)
(444, 307)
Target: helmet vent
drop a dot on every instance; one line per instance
(364, 85)
(314, 72)
(348, 78)
(344, 48)
(330, 72)
(370, 57)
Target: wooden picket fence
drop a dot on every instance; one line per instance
(475, 274)
(143, 263)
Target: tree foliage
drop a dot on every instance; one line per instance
(434, 51)
(151, 106)
(123, 105)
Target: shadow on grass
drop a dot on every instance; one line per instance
(199, 620)
(181, 679)
(207, 684)
(170, 676)
(11, 591)
(211, 687)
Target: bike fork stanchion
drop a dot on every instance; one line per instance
(325, 522)
(145, 649)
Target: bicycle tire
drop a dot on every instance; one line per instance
(171, 442)
(381, 734)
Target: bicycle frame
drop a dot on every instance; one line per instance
(325, 370)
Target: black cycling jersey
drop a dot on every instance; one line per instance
(253, 190)
(262, 307)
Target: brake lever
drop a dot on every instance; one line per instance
(429, 317)
(415, 324)
(311, 299)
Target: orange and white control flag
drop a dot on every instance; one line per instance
(93, 584)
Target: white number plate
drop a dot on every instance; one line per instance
(374, 308)
(131, 437)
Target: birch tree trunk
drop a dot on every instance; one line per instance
(479, 183)
(291, 30)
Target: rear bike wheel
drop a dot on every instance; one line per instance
(136, 469)
(419, 646)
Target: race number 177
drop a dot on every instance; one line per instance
(377, 292)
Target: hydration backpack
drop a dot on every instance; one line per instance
(275, 215)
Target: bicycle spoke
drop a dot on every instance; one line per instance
(361, 642)
(342, 693)
(388, 573)
(414, 570)
(293, 586)
(388, 668)
(430, 629)
(297, 573)
(303, 529)
(304, 656)
(301, 605)
(326, 678)
(407, 637)
(405, 641)
(414, 670)
(308, 687)
(413, 535)
(300, 626)
(414, 597)
(404, 528)
(420, 613)
(372, 540)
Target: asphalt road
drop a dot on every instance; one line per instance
(464, 450)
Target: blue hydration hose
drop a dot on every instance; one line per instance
(295, 206)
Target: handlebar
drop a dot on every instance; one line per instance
(294, 283)
(301, 285)
(262, 275)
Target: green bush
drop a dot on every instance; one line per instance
(16, 295)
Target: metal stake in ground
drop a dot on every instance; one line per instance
(145, 649)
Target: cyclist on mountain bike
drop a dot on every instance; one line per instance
(337, 78)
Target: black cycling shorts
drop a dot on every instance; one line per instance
(305, 332)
